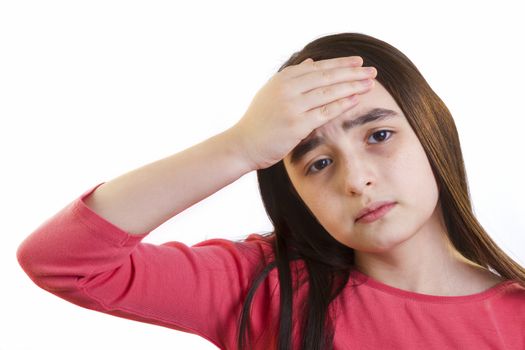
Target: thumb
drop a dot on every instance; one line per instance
(306, 60)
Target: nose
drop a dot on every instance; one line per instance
(357, 174)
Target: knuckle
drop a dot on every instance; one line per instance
(326, 91)
(281, 73)
(325, 110)
(282, 88)
(326, 76)
(287, 68)
(287, 71)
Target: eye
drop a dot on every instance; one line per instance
(383, 135)
(313, 166)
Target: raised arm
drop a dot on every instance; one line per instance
(144, 198)
(286, 109)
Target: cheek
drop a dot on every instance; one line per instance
(320, 205)
(418, 187)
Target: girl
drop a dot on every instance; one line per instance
(375, 242)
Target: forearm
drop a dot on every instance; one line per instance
(144, 198)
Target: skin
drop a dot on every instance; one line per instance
(408, 247)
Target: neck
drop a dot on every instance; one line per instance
(425, 263)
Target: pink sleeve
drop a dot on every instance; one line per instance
(84, 259)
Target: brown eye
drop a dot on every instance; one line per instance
(381, 135)
(313, 166)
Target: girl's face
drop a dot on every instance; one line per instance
(381, 160)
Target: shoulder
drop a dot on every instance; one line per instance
(515, 291)
(506, 311)
(509, 299)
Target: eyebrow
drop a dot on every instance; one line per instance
(309, 144)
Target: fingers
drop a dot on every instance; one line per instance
(329, 111)
(327, 77)
(328, 94)
(309, 65)
(325, 89)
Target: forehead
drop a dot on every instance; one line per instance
(375, 104)
(377, 97)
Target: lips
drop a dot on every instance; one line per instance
(372, 207)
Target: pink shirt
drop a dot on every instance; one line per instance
(83, 258)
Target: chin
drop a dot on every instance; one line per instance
(382, 239)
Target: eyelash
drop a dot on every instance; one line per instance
(374, 133)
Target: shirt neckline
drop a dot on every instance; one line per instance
(373, 283)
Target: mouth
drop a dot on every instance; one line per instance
(375, 214)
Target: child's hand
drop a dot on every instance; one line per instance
(294, 102)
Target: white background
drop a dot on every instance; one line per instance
(91, 90)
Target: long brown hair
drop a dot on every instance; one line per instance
(297, 234)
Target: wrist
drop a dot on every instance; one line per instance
(238, 148)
